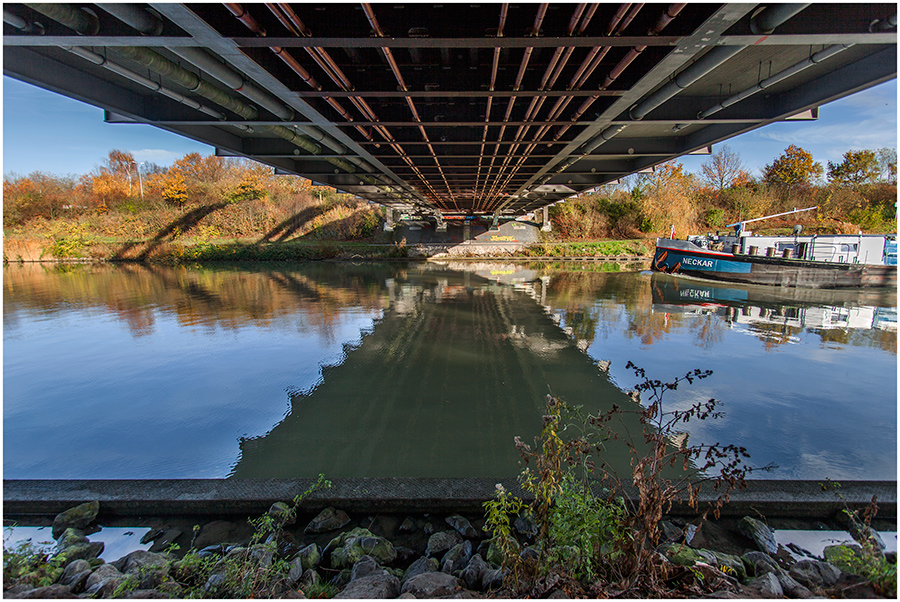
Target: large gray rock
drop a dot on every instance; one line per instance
(432, 585)
(790, 586)
(456, 557)
(760, 533)
(669, 532)
(103, 581)
(381, 585)
(295, 572)
(215, 582)
(758, 563)
(328, 519)
(262, 554)
(349, 547)
(281, 514)
(78, 517)
(310, 577)
(422, 565)
(492, 579)
(149, 568)
(146, 594)
(69, 538)
(217, 531)
(462, 525)
(472, 574)
(364, 567)
(441, 542)
(77, 581)
(815, 574)
(83, 551)
(310, 556)
(140, 561)
(493, 553)
(75, 574)
(767, 586)
(44, 593)
(162, 538)
(734, 563)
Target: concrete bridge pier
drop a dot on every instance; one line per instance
(545, 222)
(390, 220)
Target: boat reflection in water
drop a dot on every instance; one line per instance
(815, 309)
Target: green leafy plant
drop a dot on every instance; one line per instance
(715, 218)
(868, 561)
(585, 529)
(600, 534)
(68, 241)
(30, 563)
(498, 514)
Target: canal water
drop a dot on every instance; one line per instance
(422, 369)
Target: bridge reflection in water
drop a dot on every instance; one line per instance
(455, 369)
(181, 372)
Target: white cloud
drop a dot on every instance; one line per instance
(868, 133)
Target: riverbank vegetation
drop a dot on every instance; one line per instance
(214, 208)
(857, 194)
(129, 212)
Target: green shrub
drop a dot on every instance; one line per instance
(715, 218)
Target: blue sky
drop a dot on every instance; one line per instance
(43, 131)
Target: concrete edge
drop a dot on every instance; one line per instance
(176, 497)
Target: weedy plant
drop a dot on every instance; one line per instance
(661, 447)
(498, 514)
(868, 560)
(589, 530)
(30, 563)
(254, 571)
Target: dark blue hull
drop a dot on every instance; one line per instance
(678, 257)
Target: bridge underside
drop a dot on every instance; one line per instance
(461, 108)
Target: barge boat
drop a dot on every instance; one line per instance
(825, 261)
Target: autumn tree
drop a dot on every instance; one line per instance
(666, 198)
(174, 188)
(857, 168)
(39, 195)
(119, 163)
(723, 170)
(112, 181)
(792, 170)
(199, 169)
(887, 165)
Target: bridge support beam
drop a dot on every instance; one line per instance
(545, 223)
(441, 224)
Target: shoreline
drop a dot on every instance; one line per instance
(311, 550)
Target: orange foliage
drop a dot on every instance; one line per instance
(107, 189)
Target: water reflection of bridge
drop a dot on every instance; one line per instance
(455, 369)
